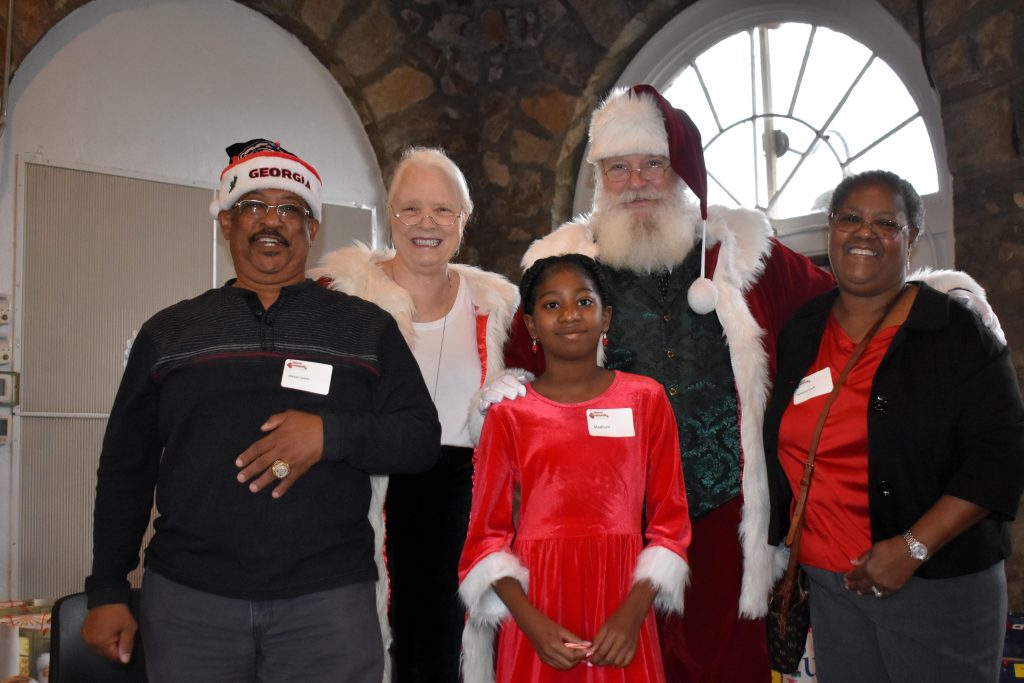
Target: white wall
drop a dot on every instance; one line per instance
(157, 89)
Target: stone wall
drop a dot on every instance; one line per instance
(506, 87)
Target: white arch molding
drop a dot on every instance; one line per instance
(705, 23)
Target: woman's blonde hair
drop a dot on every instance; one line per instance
(434, 157)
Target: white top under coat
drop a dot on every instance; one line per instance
(453, 383)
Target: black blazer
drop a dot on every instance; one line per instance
(945, 417)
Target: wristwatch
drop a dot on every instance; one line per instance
(917, 550)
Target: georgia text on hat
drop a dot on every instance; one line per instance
(261, 164)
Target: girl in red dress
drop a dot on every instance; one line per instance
(600, 535)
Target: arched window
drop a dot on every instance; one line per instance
(790, 97)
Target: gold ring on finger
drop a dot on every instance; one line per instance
(280, 469)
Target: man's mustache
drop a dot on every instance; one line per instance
(639, 195)
(270, 232)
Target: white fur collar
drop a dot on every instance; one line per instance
(746, 238)
(356, 270)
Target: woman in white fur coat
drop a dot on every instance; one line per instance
(456, 320)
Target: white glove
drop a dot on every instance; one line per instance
(980, 307)
(510, 384)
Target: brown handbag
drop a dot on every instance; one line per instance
(789, 611)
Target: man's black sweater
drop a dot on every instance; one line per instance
(202, 376)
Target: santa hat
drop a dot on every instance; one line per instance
(264, 165)
(639, 120)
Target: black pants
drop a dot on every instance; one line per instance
(427, 515)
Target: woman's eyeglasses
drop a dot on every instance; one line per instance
(885, 228)
(441, 217)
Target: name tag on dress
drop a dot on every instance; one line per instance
(816, 384)
(616, 422)
(308, 376)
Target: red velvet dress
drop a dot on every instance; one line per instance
(579, 531)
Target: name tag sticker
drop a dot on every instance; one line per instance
(306, 375)
(816, 384)
(616, 422)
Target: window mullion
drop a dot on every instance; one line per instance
(753, 116)
(846, 95)
(724, 188)
(882, 139)
(803, 69)
(771, 158)
(821, 131)
(707, 95)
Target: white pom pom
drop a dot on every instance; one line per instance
(702, 296)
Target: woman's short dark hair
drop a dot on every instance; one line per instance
(900, 187)
(584, 265)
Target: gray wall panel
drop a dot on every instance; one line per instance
(58, 484)
(102, 253)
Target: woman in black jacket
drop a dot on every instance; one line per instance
(920, 463)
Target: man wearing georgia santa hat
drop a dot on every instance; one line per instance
(700, 297)
(256, 414)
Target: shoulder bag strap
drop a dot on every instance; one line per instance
(797, 523)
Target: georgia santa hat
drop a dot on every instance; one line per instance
(261, 164)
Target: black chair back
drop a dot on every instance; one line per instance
(72, 661)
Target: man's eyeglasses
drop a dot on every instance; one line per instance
(287, 212)
(885, 228)
(441, 217)
(620, 171)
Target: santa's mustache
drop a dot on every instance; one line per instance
(270, 232)
(647, 193)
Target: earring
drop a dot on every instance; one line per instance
(536, 344)
(604, 339)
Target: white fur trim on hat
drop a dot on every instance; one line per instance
(627, 123)
(268, 171)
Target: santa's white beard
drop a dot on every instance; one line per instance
(645, 241)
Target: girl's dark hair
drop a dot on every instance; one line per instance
(584, 265)
(897, 185)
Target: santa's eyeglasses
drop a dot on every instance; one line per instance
(620, 171)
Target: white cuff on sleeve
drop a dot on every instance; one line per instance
(667, 572)
(485, 612)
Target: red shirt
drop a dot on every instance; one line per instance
(837, 527)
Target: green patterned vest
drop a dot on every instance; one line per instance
(660, 337)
